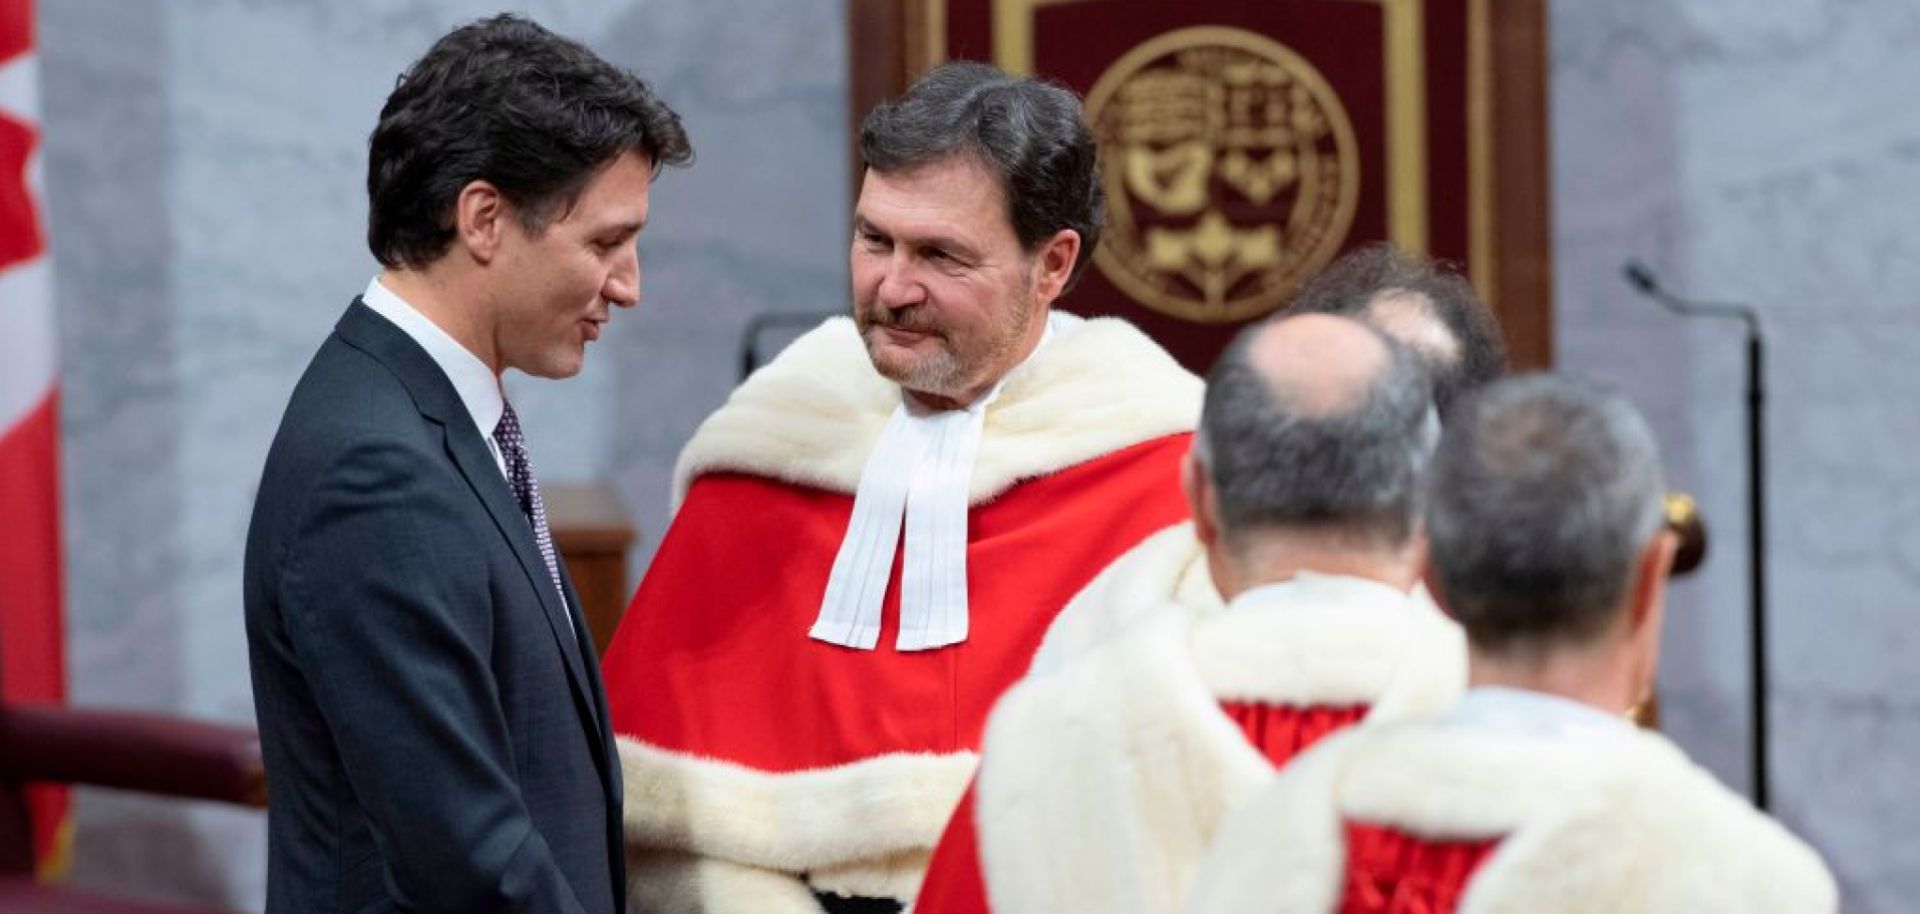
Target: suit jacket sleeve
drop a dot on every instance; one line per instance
(390, 607)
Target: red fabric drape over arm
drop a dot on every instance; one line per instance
(954, 883)
(1392, 872)
(1281, 732)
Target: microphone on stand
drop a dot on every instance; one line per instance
(1644, 281)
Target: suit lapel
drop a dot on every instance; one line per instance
(436, 399)
(470, 454)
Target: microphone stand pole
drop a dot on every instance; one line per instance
(1643, 280)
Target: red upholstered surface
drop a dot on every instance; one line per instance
(1392, 872)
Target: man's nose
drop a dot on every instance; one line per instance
(623, 283)
(899, 288)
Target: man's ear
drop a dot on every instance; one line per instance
(1419, 560)
(480, 217)
(1054, 265)
(1647, 611)
(1651, 572)
(1201, 500)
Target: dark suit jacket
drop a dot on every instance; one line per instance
(435, 732)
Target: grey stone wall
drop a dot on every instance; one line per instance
(1768, 153)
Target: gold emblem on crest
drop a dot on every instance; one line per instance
(1230, 168)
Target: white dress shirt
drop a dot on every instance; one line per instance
(477, 385)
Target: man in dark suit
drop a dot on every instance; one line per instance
(431, 712)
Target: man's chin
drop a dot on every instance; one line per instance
(558, 368)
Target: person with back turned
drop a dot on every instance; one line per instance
(1102, 782)
(1424, 305)
(1534, 792)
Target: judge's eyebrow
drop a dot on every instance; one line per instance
(951, 245)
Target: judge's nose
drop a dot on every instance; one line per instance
(898, 289)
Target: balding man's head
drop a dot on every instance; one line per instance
(1430, 309)
(1317, 423)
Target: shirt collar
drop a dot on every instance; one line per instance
(1316, 589)
(477, 385)
(1523, 711)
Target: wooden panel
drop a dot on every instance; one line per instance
(592, 533)
(1523, 181)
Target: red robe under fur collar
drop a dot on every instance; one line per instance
(1582, 827)
(760, 764)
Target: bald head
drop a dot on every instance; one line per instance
(1409, 317)
(1423, 305)
(1318, 365)
(1317, 423)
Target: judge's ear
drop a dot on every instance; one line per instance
(1054, 265)
(1647, 611)
(1651, 571)
(1419, 557)
(1201, 500)
(480, 214)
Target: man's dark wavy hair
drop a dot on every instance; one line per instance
(1031, 134)
(505, 101)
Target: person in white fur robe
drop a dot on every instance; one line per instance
(1534, 793)
(1101, 782)
(873, 533)
(1425, 305)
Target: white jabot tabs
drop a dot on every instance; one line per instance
(919, 473)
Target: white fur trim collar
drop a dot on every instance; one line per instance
(861, 828)
(1103, 782)
(1167, 567)
(811, 415)
(1628, 824)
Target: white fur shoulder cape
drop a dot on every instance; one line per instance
(812, 415)
(1102, 783)
(1585, 827)
(1169, 567)
(707, 836)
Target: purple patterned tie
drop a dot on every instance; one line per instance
(513, 446)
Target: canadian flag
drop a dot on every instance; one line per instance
(32, 665)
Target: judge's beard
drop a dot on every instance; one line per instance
(954, 368)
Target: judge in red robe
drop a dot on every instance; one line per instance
(875, 530)
(1102, 780)
(1422, 304)
(1534, 793)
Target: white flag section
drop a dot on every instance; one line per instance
(27, 342)
(32, 650)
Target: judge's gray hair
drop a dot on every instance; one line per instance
(1545, 491)
(1353, 476)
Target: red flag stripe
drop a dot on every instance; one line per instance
(16, 28)
(31, 652)
(20, 236)
(32, 645)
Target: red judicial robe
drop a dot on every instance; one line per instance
(1452, 815)
(1102, 782)
(761, 764)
